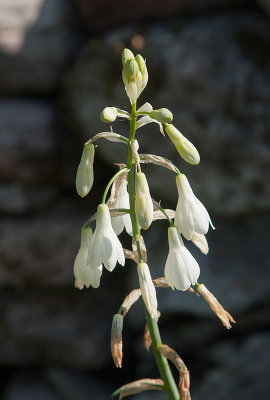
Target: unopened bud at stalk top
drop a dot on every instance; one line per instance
(134, 74)
(126, 55)
(184, 147)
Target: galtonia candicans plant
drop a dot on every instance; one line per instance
(130, 207)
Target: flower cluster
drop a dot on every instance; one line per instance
(132, 208)
(191, 217)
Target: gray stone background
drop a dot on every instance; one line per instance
(60, 65)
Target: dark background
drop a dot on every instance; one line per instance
(60, 65)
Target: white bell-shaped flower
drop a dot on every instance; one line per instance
(143, 202)
(190, 215)
(84, 273)
(148, 289)
(118, 223)
(105, 246)
(85, 173)
(181, 268)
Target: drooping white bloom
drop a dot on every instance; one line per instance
(84, 273)
(148, 289)
(118, 223)
(85, 174)
(190, 215)
(105, 246)
(181, 268)
(143, 202)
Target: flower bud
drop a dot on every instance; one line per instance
(126, 55)
(162, 115)
(130, 75)
(143, 202)
(130, 71)
(143, 70)
(184, 147)
(116, 340)
(148, 289)
(85, 174)
(109, 114)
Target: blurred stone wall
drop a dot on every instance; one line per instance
(59, 67)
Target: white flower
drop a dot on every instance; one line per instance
(143, 202)
(84, 273)
(148, 289)
(118, 223)
(85, 174)
(105, 246)
(181, 268)
(190, 215)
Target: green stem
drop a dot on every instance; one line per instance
(133, 123)
(163, 211)
(110, 183)
(162, 363)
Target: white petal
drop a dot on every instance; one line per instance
(109, 251)
(80, 260)
(94, 275)
(148, 120)
(192, 267)
(120, 252)
(95, 252)
(118, 224)
(128, 224)
(200, 241)
(146, 107)
(183, 219)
